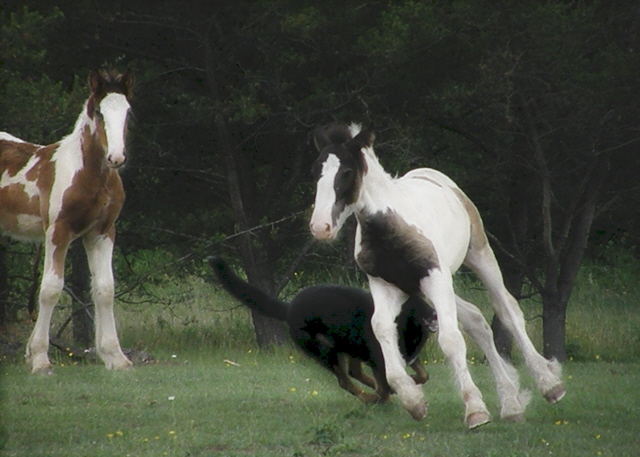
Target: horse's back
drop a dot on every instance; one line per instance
(429, 174)
(436, 206)
(14, 153)
(19, 190)
(9, 137)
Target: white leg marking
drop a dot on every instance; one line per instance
(99, 250)
(512, 401)
(438, 289)
(50, 289)
(545, 372)
(388, 301)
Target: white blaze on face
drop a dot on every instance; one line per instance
(322, 226)
(114, 108)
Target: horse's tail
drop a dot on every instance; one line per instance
(251, 296)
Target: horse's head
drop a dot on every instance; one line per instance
(108, 107)
(339, 171)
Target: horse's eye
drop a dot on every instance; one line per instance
(99, 115)
(346, 173)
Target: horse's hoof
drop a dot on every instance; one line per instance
(369, 398)
(118, 363)
(476, 420)
(555, 394)
(122, 367)
(42, 371)
(419, 412)
(516, 418)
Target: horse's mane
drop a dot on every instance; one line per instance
(341, 133)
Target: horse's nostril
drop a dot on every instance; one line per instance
(116, 162)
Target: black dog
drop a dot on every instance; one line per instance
(332, 324)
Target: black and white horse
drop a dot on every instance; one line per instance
(413, 233)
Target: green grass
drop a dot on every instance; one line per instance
(278, 403)
(281, 404)
(603, 319)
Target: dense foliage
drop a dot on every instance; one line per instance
(529, 105)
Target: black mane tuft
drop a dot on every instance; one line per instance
(338, 133)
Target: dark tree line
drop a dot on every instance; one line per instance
(529, 105)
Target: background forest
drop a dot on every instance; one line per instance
(531, 106)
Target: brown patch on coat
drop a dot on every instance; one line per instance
(478, 236)
(14, 156)
(14, 201)
(96, 195)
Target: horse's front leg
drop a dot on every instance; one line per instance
(438, 290)
(99, 250)
(50, 290)
(388, 300)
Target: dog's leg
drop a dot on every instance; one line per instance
(383, 389)
(421, 375)
(340, 370)
(356, 372)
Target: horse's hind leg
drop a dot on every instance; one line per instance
(99, 250)
(438, 290)
(545, 372)
(50, 290)
(512, 401)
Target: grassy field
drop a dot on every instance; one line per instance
(211, 392)
(280, 404)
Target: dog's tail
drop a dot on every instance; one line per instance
(251, 296)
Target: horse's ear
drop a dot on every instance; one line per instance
(127, 81)
(364, 139)
(95, 80)
(320, 138)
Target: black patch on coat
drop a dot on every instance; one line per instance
(395, 251)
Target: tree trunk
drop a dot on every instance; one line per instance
(553, 328)
(32, 299)
(574, 245)
(518, 235)
(80, 285)
(268, 331)
(4, 287)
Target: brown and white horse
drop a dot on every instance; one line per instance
(57, 193)
(413, 233)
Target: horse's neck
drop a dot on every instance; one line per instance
(73, 148)
(377, 185)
